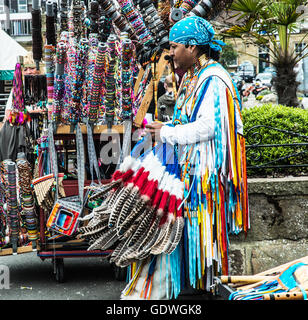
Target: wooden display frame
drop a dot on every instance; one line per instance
(148, 96)
(97, 129)
(22, 249)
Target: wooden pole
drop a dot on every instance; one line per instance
(284, 296)
(274, 273)
(244, 279)
(147, 98)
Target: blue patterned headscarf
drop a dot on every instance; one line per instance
(194, 31)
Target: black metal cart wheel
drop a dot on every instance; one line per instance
(59, 269)
(119, 273)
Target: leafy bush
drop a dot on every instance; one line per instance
(264, 92)
(283, 118)
(259, 97)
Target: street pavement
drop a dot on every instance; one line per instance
(90, 278)
(85, 279)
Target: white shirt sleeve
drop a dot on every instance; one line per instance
(200, 130)
(203, 128)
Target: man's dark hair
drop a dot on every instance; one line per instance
(209, 52)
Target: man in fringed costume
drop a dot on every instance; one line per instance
(207, 133)
(177, 234)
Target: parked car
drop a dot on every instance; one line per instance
(270, 70)
(264, 79)
(237, 81)
(247, 71)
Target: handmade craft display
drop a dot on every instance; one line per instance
(63, 15)
(18, 115)
(98, 81)
(81, 62)
(35, 88)
(92, 18)
(286, 283)
(18, 223)
(27, 197)
(4, 239)
(162, 219)
(207, 9)
(147, 27)
(50, 24)
(90, 81)
(58, 93)
(145, 194)
(37, 40)
(126, 78)
(154, 23)
(9, 171)
(136, 21)
(44, 190)
(50, 68)
(77, 19)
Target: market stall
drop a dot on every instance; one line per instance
(88, 187)
(8, 57)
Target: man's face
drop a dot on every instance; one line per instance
(181, 56)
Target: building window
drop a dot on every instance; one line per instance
(300, 47)
(1, 6)
(21, 27)
(233, 62)
(264, 58)
(22, 6)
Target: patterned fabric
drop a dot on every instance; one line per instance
(213, 173)
(213, 170)
(186, 95)
(195, 31)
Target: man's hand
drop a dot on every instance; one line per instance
(154, 130)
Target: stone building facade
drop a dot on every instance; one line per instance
(279, 226)
(256, 54)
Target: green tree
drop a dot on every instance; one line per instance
(228, 55)
(269, 23)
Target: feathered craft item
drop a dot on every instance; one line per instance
(18, 117)
(141, 214)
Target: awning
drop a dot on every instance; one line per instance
(6, 74)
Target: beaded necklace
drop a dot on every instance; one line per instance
(185, 98)
(214, 203)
